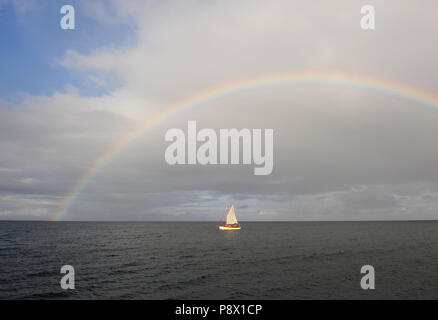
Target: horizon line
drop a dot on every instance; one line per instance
(191, 221)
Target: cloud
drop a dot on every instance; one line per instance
(340, 152)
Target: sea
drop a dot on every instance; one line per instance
(194, 260)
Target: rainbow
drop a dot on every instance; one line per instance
(329, 78)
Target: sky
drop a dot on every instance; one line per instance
(341, 152)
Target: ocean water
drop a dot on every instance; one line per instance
(178, 260)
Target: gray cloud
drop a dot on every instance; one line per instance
(341, 152)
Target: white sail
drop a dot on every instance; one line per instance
(231, 216)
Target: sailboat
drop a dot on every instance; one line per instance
(231, 220)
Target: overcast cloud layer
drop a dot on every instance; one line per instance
(340, 153)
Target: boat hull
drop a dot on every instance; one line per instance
(230, 227)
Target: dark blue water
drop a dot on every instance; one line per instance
(265, 260)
